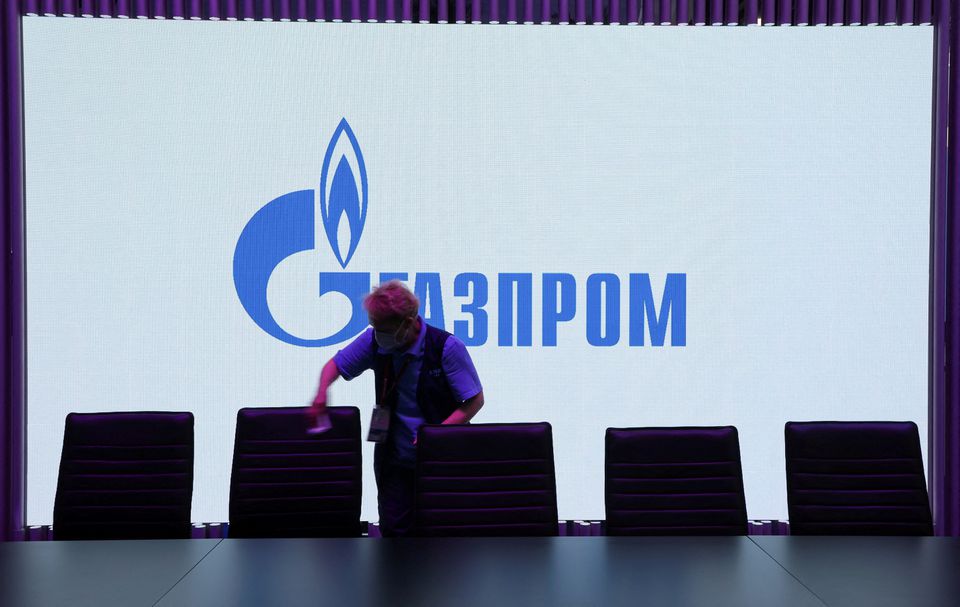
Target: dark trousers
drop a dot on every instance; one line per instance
(395, 494)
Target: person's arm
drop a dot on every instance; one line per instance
(347, 363)
(466, 411)
(463, 381)
(328, 375)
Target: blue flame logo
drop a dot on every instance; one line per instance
(285, 226)
(343, 197)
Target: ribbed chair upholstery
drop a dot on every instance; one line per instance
(856, 478)
(125, 476)
(287, 483)
(674, 481)
(486, 480)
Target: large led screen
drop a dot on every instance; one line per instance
(627, 226)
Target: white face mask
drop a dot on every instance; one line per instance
(390, 341)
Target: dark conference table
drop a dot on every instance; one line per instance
(462, 572)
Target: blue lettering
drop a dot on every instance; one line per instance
(524, 323)
(515, 309)
(603, 322)
(673, 305)
(426, 287)
(461, 288)
(386, 277)
(554, 311)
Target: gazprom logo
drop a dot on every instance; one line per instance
(288, 225)
(343, 197)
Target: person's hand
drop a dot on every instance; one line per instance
(319, 418)
(319, 405)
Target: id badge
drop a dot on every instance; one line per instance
(379, 425)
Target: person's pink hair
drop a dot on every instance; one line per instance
(391, 300)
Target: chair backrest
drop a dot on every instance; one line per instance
(287, 483)
(856, 478)
(125, 476)
(486, 480)
(674, 481)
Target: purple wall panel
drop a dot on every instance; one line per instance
(10, 190)
(699, 12)
(820, 12)
(888, 12)
(15, 303)
(248, 10)
(195, 9)
(732, 12)
(231, 10)
(716, 12)
(854, 13)
(906, 12)
(682, 12)
(785, 12)
(941, 448)
(12, 426)
(836, 12)
(647, 17)
(297, 10)
(945, 417)
(768, 12)
(924, 14)
(802, 16)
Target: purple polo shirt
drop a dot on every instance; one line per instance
(358, 356)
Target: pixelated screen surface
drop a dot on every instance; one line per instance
(626, 226)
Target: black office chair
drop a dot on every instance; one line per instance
(287, 483)
(486, 480)
(674, 481)
(856, 478)
(125, 476)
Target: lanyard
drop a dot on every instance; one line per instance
(389, 389)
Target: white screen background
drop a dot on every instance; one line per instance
(784, 170)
